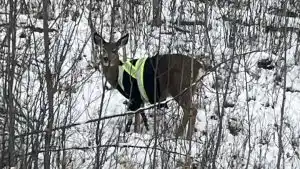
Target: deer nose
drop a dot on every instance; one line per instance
(105, 59)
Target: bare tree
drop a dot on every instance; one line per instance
(55, 104)
(9, 79)
(156, 12)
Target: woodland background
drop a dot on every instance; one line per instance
(57, 113)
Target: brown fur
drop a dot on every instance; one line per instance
(175, 77)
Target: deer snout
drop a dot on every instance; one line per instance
(105, 59)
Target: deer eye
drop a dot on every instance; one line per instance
(102, 52)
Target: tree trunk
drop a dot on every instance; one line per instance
(156, 12)
(10, 82)
(49, 84)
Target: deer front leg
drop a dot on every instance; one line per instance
(133, 105)
(137, 127)
(129, 123)
(145, 120)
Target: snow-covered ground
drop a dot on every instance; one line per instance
(254, 94)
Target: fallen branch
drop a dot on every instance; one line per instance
(38, 29)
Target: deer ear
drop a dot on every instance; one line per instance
(98, 39)
(123, 40)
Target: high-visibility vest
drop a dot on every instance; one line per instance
(137, 72)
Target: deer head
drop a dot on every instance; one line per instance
(109, 51)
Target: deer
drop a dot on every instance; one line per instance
(174, 76)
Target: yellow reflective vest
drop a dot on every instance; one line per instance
(136, 71)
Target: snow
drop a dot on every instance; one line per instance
(255, 111)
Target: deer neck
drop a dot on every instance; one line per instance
(111, 74)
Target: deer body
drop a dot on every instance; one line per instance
(172, 72)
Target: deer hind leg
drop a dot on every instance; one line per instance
(189, 114)
(192, 121)
(184, 99)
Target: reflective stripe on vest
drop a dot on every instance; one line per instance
(136, 71)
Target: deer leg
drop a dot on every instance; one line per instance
(133, 105)
(182, 126)
(189, 115)
(129, 123)
(192, 121)
(145, 120)
(137, 127)
(185, 103)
